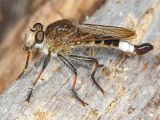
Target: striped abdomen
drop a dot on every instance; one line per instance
(126, 46)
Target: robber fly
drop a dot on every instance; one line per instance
(62, 36)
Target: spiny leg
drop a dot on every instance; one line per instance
(26, 66)
(70, 66)
(46, 61)
(97, 65)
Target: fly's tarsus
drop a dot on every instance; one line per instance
(45, 63)
(78, 98)
(27, 100)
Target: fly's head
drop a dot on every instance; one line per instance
(34, 37)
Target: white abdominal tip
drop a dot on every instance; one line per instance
(126, 47)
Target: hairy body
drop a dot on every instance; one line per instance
(62, 36)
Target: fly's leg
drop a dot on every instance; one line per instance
(46, 61)
(72, 68)
(26, 66)
(97, 65)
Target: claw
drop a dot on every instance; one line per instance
(78, 98)
(27, 100)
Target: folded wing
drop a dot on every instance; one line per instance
(105, 32)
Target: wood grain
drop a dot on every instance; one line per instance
(132, 87)
(45, 11)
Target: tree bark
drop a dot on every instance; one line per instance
(132, 86)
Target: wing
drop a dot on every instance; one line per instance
(107, 31)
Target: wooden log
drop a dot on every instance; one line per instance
(26, 13)
(132, 86)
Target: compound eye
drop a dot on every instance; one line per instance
(37, 26)
(39, 37)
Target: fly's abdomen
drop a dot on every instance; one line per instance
(116, 43)
(125, 46)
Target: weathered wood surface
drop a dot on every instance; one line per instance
(132, 87)
(13, 25)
